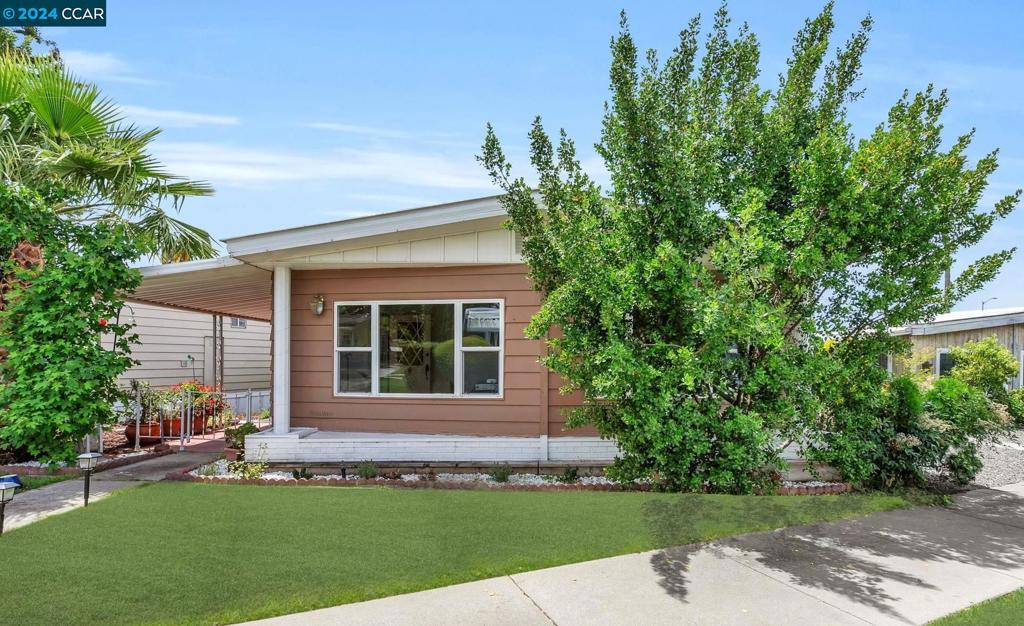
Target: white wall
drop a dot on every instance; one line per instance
(168, 336)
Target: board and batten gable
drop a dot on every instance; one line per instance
(167, 337)
(529, 406)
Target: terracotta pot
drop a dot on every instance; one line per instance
(172, 427)
(231, 454)
(148, 432)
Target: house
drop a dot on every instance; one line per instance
(396, 337)
(931, 341)
(177, 345)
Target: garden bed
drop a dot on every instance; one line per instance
(218, 472)
(35, 468)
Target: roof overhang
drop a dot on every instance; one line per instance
(959, 325)
(221, 286)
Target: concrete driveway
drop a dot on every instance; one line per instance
(899, 567)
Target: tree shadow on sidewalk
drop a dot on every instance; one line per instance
(863, 560)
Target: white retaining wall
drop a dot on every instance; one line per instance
(310, 446)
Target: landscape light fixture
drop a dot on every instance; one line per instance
(6, 495)
(87, 463)
(316, 305)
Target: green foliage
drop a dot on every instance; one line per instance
(986, 365)
(301, 474)
(235, 437)
(58, 381)
(569, 475)
(368, 470)
(742, 227)
(1015, 405)
(500, 473)
(937, 430)
(247, 470)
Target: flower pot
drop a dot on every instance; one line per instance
(231, 454)
(172, 427)
(149, 432)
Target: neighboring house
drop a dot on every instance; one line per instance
(178, 345)
(931, 341)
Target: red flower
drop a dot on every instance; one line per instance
(103, 322)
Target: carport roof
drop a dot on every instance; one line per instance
(221, 286)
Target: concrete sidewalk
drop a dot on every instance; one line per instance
(899, 567)
(66, 495)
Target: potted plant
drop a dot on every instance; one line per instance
(154, 404)
(204, 402)
(234, 439)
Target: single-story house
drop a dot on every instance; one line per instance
(395, 337)
(931, 341)
(176, 345)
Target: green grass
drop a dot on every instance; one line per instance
(35, 482)
(194, 553)
(1008, 609)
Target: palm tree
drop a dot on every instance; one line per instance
(59, 137)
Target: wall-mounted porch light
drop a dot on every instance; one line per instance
(316, 305)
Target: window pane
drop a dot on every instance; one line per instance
(354, 326)
(354, 372)
(480, 373)
(417, 348)
(481, 325)
(946, 363)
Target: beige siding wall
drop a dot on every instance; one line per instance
(925, 346)
(522, 411)
(168, 336)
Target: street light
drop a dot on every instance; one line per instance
(6, 495)
(988, 300)
(87, 463)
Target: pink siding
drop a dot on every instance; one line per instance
(530, 406)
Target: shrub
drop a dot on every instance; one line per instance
(500, 473)
(569, 475)
(235, 437)
(986, 365)
(368, 470)
(1015, 406)
(301, 474)
(249, 470)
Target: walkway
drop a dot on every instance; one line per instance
(899, 567)
(36, 504)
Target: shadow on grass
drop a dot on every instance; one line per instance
(865, 560)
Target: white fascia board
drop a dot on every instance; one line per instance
(170, 269)
(970, 324)
(398, 221)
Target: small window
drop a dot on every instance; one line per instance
(885, 362)
(944, 362)
(237, 322)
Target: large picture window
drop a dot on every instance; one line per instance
(430, 348)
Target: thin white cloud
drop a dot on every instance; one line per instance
(366, 131)
(167, 118)
(265, 167)
(102, 66)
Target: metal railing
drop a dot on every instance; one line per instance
(177, 418)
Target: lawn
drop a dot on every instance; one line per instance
(1008, 609)
(194, 553)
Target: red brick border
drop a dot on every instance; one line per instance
(28, 470)
(817, 490)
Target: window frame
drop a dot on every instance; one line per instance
(238, 323)
(460, 350)
(937, 370)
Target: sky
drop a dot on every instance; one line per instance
(318, 111)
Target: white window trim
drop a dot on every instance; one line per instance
(938, 354)
(374, 350)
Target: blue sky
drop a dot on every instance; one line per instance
(308, 112)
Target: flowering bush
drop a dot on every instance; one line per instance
(206, 400)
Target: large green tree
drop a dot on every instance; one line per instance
(731, 291)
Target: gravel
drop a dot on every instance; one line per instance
(1003, 461)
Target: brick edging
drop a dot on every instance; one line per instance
(29, 470)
